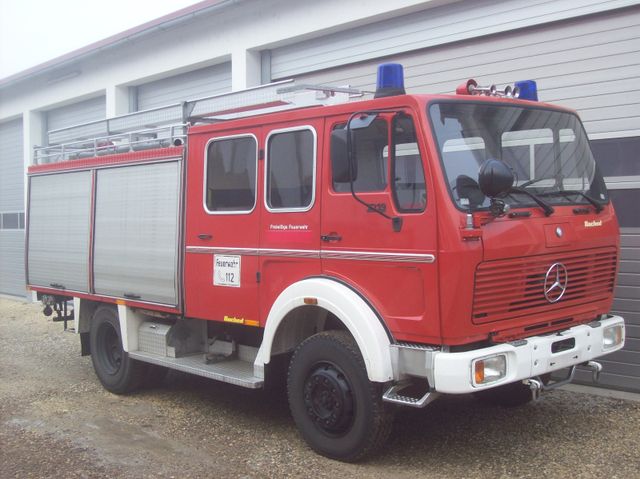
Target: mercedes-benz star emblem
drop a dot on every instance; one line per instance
(555, 282)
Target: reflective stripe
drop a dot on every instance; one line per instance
(317, 254)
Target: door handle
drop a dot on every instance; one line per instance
(331, 237)
(205, 236)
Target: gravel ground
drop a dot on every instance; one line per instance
(57, 421)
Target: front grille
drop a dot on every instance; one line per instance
(512, 288)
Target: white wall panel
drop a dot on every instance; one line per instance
(186, 86)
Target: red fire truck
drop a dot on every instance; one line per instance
(389, 247)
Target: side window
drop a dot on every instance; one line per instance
(290, 178)
(368, 146)
(409, 187)
(231, 175)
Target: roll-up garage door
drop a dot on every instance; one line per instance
(12, 209)
(77, 113)
(589, 63)
(186, 86)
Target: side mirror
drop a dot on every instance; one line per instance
(495, 178)
(340, 158)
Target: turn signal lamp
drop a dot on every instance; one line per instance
(528, 90)
(489, 370)
(390, 80)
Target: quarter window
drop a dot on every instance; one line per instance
(231, 175)
(290, 170)
(409, 188)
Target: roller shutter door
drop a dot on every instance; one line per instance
(77, 113)
(187, 86)
(11, 209)
(136, 232)
(590, 64)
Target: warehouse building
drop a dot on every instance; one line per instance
(585, 55)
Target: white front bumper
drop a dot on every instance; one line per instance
(452, 374)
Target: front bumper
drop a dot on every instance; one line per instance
(452, 373)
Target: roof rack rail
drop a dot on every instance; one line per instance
(163, 126)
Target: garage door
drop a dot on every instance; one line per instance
(588, 63)
(11, 209)
(186, 86)
(76, 113)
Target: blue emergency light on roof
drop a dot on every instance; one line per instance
(528, 90)
(390, 80)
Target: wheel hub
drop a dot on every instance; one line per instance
(111, 351)
(328, 399)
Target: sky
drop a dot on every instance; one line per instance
(35, 31)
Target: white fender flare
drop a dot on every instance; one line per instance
(361, 321)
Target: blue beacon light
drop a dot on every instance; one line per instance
(390, 80)
(528, 90)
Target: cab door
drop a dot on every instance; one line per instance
(290, 221)
(222, 231)
(383, 240)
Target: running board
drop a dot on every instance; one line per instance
(232, 371)
(393, 395)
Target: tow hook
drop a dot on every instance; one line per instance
(536, 386)
(595, 367)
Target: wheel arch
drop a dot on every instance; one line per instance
(304, 308)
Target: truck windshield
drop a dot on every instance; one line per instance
(547, 150)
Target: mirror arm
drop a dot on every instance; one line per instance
(395, 220)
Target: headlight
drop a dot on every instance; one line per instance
(489, 370)
(612, 336)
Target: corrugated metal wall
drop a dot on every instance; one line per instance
(77, 113)
(591, 64)
(187, 86)
(436, 26)
(11, 207)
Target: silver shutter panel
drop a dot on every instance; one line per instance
(59, 225)
(136, 232)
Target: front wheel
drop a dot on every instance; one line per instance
(338, 411)
(116, 371)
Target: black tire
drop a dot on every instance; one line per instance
(510, 395)
(338, 411)
(117, 372)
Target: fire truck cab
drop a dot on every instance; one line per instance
(390, 248)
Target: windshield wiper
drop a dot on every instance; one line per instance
(534, 181)
(595, 203)
(546, 207)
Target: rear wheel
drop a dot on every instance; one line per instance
(338, 411)
(116, 371)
